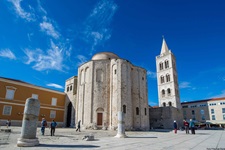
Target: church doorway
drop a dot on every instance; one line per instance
(69, 110)
(99, 119)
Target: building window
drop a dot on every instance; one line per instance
(68, 88)
(186, 106)
(35, 96)
(137, 111)
(71, 87)
(203, 117)
(167, 78)
(202, 111)
(52, 114)
(145, 111)
(168, 91)
(212, 111)
(223, 110)
(224, 117)
(7, 110)
(10, 91)
(124, 108)
(162, 79)
(213, 117)
(164, 104)
(166, 64)
(163, 93)
(184, 112)
(170, 103)
(161, 66)
(115, 71)
(54, 101)
(193, 112)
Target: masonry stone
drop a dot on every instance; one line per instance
(29, 124)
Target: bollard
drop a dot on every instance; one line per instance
(29, 125)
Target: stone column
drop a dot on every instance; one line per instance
(29, 124)
(121, 127)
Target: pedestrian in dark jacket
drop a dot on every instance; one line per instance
(192, 126)
(175, 126)
(53, 126)
(78, 126)
(186, 126)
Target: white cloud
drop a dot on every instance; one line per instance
(96, 31)
(184, 85)
(52, 60)
(55, 85)
(82, 59)
(49, 29)
(153, 103)
(7, 53)
(151, 74)
(21, 12)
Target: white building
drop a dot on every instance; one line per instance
(108, 84)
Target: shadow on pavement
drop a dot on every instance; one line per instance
(67, 146)
(141, 137)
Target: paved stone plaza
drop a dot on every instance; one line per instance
(70, 139)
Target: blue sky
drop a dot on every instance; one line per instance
(43, 42)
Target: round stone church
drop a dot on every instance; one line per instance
(106, 85)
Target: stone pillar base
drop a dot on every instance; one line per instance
(27, 142)
(121, 135)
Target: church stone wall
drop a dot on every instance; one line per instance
(110, 85)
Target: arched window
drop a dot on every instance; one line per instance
(166, 64)
(170, 103)
(137, 111)
(161, 66)
(167, 78)
(71, 88)
(163, 93)
(168, 91)
(164, 104)
(162, 79)
(145, 111)
(124, 108)
(68, 89)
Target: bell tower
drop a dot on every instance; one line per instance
(167, 80)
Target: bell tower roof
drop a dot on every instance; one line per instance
(164, 48)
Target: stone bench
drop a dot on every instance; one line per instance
(6, 130)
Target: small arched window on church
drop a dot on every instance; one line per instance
(115, 71)
(124, 109)
(68, 88)
(170, 103)
(163, 93)
(168, 91)
(137, 111)
(166, 64)
(145, 111)
(160, 66)
(71, 88)
(167, 78)
(162, 79)
(164, 104)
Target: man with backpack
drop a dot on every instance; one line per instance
(43, 125)
(53, 126)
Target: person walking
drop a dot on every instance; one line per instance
(43, 125)
(186, 126)
(8, 123)
(78, 126)
(53, 126)
(192, 126)
(175, 126)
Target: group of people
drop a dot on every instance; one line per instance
(53, 125)
(187, 126)
(44, 125)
